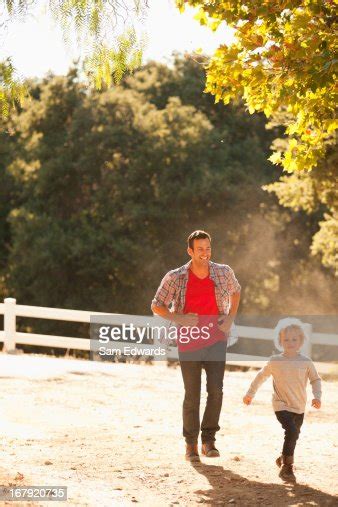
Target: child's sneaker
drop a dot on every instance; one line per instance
(279, 461)
(286, 472)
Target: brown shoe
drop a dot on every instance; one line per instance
(191, 452)
(286, 472)
(209, 450)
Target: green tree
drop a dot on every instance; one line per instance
(98, 176)
(11, 90)
(315, 193)
(283, 55)
(109, 179)
(110, 184)
(284, 58)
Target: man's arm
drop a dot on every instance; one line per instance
(188, 319)
(234, 290)
(227, 320)
(164, 297)
(234, 304)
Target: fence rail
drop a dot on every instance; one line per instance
(10, 336)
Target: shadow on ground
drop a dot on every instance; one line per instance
(228, 488)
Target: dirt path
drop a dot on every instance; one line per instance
(111, 433)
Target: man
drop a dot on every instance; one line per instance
(196, 295)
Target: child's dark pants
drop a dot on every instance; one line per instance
(291, 423)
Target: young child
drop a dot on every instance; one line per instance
(290, 371)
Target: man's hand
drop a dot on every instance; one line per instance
(185, 319)
(226, 323)
(247, 400)
(316, 403)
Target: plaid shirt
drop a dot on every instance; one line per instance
(173, 287)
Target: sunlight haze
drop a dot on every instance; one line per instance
(37, 46)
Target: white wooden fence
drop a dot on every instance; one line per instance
(10, 336)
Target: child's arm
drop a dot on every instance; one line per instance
(261, 377)
(316, 384)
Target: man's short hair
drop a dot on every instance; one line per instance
(197, 235)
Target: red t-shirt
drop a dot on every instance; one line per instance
(200, 298)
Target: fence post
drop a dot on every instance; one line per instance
(9, 325)
(307, 347)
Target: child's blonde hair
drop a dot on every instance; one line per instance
(285, 324)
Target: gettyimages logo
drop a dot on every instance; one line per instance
(117, 335)
(129, 332)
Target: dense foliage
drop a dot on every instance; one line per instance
(284, 60)
(283, 55)
(103, 188)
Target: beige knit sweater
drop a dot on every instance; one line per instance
(290, 376)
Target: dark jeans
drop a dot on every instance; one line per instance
(212, 359)
(291, 423)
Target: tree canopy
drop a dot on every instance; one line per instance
(284, 54)
(11, 90)
(283, 62)
(102, 189)
(92, 216)
(314, 192)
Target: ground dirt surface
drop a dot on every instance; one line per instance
(111, 433)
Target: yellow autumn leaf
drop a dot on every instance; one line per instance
(276, 157)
